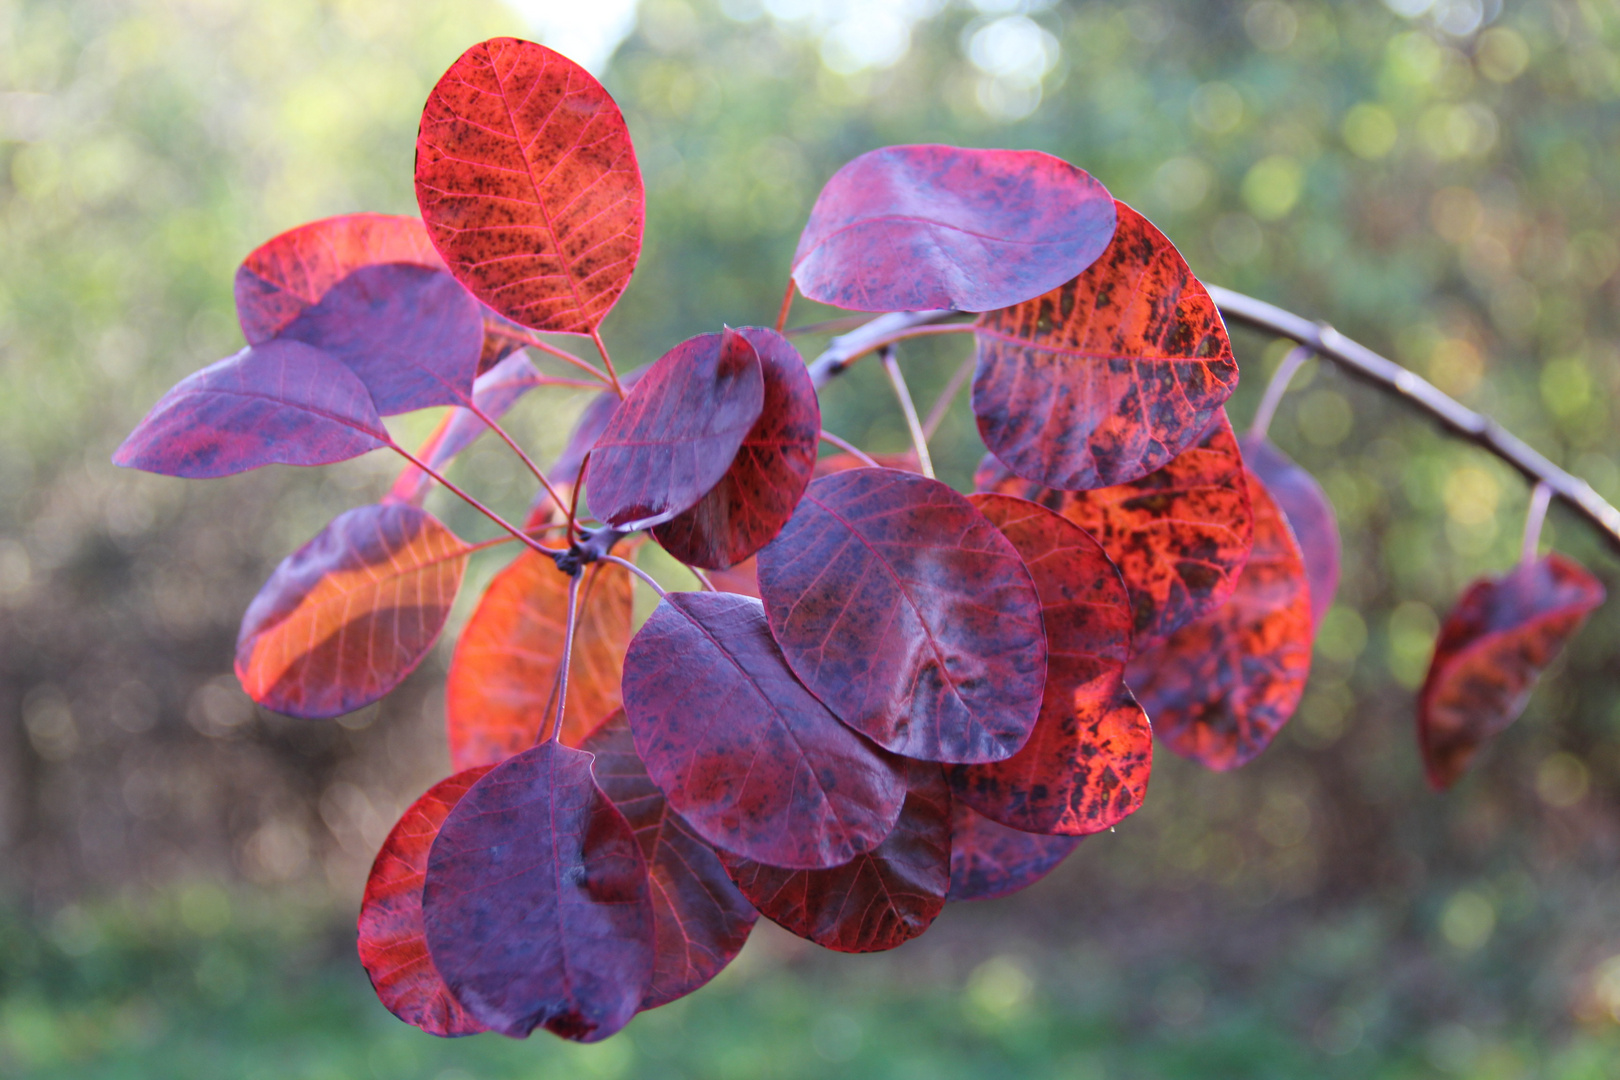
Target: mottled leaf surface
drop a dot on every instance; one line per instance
(900, 606)
(1109, 376)
(1087, 762)
(749, 757)
(1221, 687)
(700, 919)
(908, 228)
(281, 403)
(1179, 535)
(1305, 505)
(347, 616)
(501, 693)
(677, 433)
(392, 946)
(881, 898)
(1492, 649)
(529, 186)
(990, 860)
(536, 904)
(412, 334)
(756, 496)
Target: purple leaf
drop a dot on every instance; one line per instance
(990, 860)
(1309, 514)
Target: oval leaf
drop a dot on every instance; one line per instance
(908, 228)
(1106, 378)
(392, 947)
(1305, 505)
(529, 186)
(677, 433)
(1086, 765)
(501, 692)
(1180, 536)
(536, 903)
(412, 334)
(752, 761)
(905, 611)
(292, 271)
(876, 901)
(1492, 648)
(1221, 687)
(346, 617)
(754, 499)
(990, 860)
(701, 921)
(281, 403)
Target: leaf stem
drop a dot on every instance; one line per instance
(607, 362)
(567, 655)
(787, 304)
(534, 342)
(849, 448)
(703, 579)
(942, 404)
(919, 441)
(490, 422)
(573, 496)
(636, 570)
(845, 349)
(517, 533)
(1540, 500)
(1276, 388)
(841, 324)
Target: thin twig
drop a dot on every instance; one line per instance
(1276, 388)
(474, 503)
(567, 655)
(830, 326)
(471, 405)
(636, 570)
(533, 342)
(1540, 499)
(845, 349)
(787, 304)
(573, 496)
(919, 441)
(849, 448)
(703, 579)
(942, 404)
(607, 362)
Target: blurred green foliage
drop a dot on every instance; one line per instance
(1440, 185)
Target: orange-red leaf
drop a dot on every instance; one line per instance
(529, 186)
(351, 613)
(392, 946)
(1221, 687)
(1492, 648)
(502, 689)
(1105, 378)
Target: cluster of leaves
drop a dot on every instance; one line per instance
(891, 695)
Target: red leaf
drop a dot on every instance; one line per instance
(536, 903)
(1305, 505)
(413, 335)
(278, 403)
(843, 462)
(294, 270)
(345, 618)
(1492, 648)
(501, 692)
(701, 921)
(990, 860)
(756, 496)
(1086, 765)
(905, 611)
(1180, 536)
(1221, 687)
(392, 946)
(1108, 377)
(752, 761)
(878, 900)
(907, 228)
(677, 433)
(528, 183)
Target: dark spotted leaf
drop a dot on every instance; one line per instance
(990, 860)
(900, 606)
(278, 403)
(1108, 377)
(1492, 649)
(536, 904)
(1305, 505)
(529, 186)
(753, 762)
(1087, 762)
(677, 433)
(1221, 687)
(700, 919)
(757, 494)
(347, 616)
(392, 947)
(881, 898)
(907, 228)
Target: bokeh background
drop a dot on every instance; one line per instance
(179, 872)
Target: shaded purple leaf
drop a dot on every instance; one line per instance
(990, 860)
(1309, 514)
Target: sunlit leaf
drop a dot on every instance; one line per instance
(1108, 377)
(990, 860)
(346, 617)
(1305, 505)
(907, 228)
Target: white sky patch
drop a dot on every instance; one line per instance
(585, 31)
